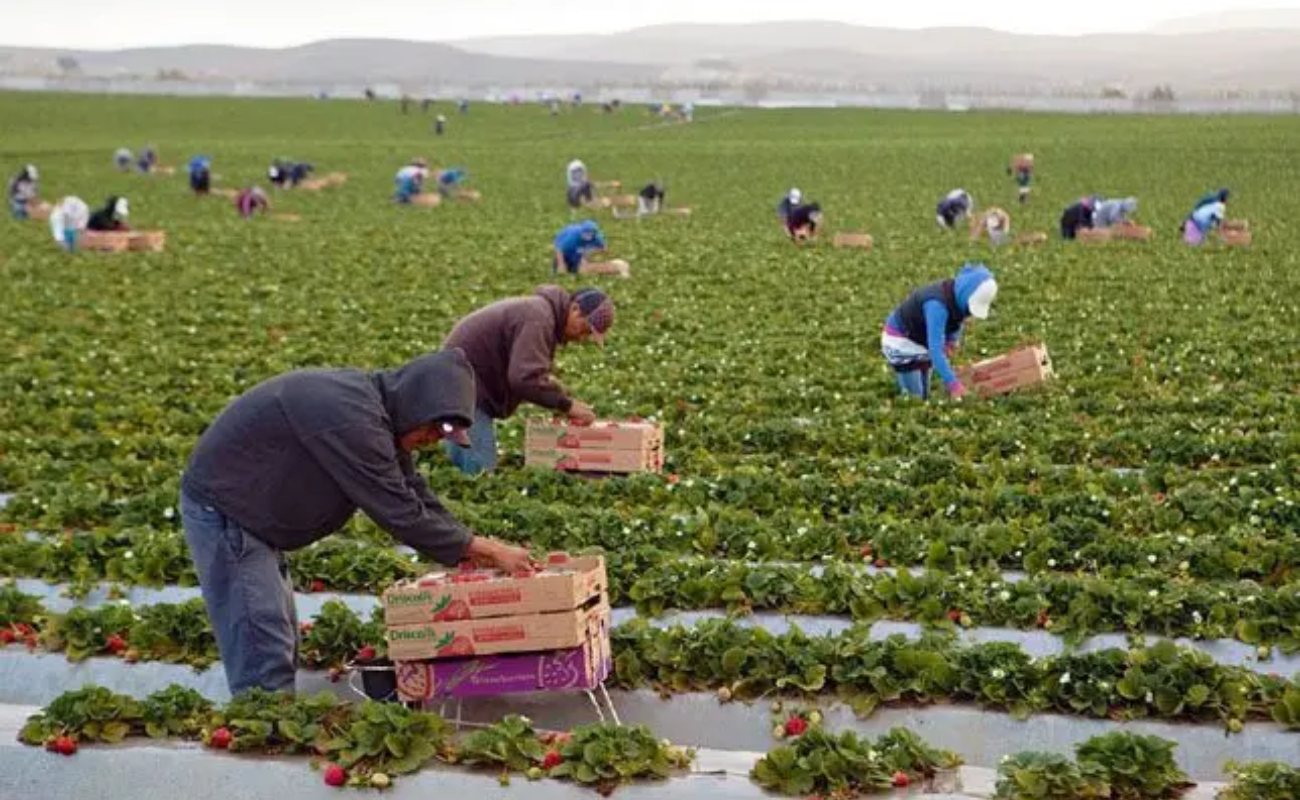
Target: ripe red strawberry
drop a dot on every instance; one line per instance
(866, 552)
(901, 778)
(65, 745)
(1159, 498)
(7, 636)
(881, 563)
(116, 644)
(954, 615)
(220, 738)
(1044, 619)
(796, 726)
(31, 640)
(335, 775)
(552, 760)
(23, 629)
(366, 653)
(305, 628)
(673, 478)
(318, 585)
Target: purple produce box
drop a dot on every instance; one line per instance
(575, 669)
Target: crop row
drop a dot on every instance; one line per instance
(366, 744)
(745, 663)
(657, 581)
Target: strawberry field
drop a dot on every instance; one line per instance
(1115, 552)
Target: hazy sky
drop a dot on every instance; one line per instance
(274, 23)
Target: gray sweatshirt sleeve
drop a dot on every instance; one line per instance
(529, 372)
(368, 467)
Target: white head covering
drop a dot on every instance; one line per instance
(796, 196)
(121, 208)
(31, 171)
(982, 299)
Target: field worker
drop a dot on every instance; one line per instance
(803, 222)
(201, 175)
(23, 190)
(573, 244)
(111, 216)
(1220, 196)
(148, 159)
(1110, 213)
(1022, 167)
(410, 180)
(67, 220)
(954, 208)
(284, 172)
(1078, 215)
(252, 200)
(288, 463)
(1205, 218)
(450, 180)
(788, 204)
(923, 332)
(463, 106)
(993, 222)
(579, 190)
(123, 158)
(511, 345)
(439, 124)
(650, 200)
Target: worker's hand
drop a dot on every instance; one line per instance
(487, 552)
(950, 349)
(956, 390)
(581, 413)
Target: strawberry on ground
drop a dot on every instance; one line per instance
(220, 738)
(881, 563)
(335, 775)
(366, 653)
(116, 644)
(7, 636)
(954, 615)
(796, 726)
(552, 760)
(901, 778)
(65, 745)
(318, 585)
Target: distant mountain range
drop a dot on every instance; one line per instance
(1247, 50)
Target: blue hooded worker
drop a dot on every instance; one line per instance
(290, 462)
(450, 180)
(410, 180)
(1207, 215)
(574, 243)
(201, 175)
(923, 332)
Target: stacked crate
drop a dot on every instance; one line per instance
(475, 633)
(603, 446)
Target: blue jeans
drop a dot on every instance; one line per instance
(914, 382)
(246, 588)
(18, 208)
(481, 455)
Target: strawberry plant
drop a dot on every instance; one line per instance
(825, 764)
(278, 722)
(1261, 780)
(1135, 767)
(904, 751)
(383, 738)
(1049, 776)
(511, 745)
(336, 636)
(604, 756)
(92, 714)
(175, 712)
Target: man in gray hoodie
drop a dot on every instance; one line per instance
(288, 463)
(511, 345)
(1112, 212)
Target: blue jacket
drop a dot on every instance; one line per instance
(200, 164)
(578, 239)
(938, 321)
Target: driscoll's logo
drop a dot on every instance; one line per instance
(419, 598)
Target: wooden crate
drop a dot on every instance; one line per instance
(861, 241)
(286, 217)
(1094, 235)
(1236, 238)
(1133, 233)
(428, 200)
(147, 241)
(1024, 367)
(39, 210)
(605, 446)
(105, 241)
(564, 584)
(1236, 225)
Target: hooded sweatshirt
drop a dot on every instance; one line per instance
(1112, 212)
(933, 315)
(511, 345)
(23, 186)
(292, 459)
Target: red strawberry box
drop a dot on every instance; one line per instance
(496, 635)
(574, 669)
(567, 582)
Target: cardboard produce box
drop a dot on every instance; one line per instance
(105, 241)
(1132, 232)
(496, 635)
(858, 240)
(604, 446)
(451, 596)
(574, 669)
(147, 241)
(1019, 369)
